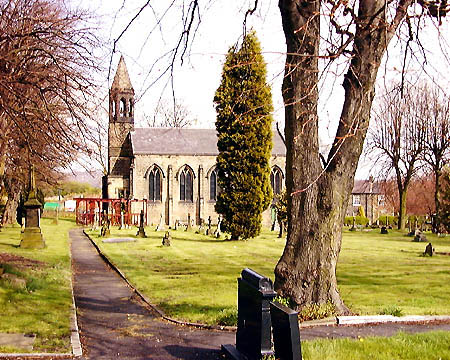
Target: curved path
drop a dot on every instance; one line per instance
(114, 323)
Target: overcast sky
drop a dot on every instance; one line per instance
(196, 80)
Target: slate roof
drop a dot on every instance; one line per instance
(364, 187)
(176, 141)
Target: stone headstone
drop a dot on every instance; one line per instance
(429, 250)
(189, 226)
(141, 230)
(160, 226)
(384, 230)
(105, 231)
(208, 230)
(419, 237)
(218, 232)
(31, 237)
(166, 239)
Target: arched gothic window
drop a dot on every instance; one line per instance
(213, 185)
(130, 108)
(276, 178)
(186, 185)
(123, 105)
(154, 185)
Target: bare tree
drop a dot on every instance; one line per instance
(47, 90)
(435, 113)
(397, 138)
(171, 114)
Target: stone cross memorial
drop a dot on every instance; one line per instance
(141, 230)
(32, 238)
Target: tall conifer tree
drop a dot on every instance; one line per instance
(243, 104)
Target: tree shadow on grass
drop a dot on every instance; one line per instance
(8, 244)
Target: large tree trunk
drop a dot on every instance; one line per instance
(306, 272)
(437, 201)
(402, 193)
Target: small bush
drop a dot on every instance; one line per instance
(316, 311)
(359, 220)
(386, 220)
(283, 301)
(227, 317)
(393, 310)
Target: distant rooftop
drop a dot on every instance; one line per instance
(366, 187)
(176, 141)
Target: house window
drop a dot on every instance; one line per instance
(154, 184)
(381, 200)
(356, 200)
(276, 178)
(186, 185)
(213, 185)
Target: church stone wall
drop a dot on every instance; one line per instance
(170, 207)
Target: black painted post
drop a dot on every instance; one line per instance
(286, 334)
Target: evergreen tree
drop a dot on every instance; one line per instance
(243, 104)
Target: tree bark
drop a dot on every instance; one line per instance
(402, 193)
(306, 272)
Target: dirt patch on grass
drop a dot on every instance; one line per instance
(20, 262)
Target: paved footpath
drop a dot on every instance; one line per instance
(113, 323)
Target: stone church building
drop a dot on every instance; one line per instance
(172, 168)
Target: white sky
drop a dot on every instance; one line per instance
(221, 26)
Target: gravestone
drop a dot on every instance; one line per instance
(160, 226)
(286, 334)
(384, 230)
(419, 236)
(166, 239)
(176, 225)
(188, 222)
(353, 228)
(253, 336)
(218, 232)
(429, 250)
(141, 230)
(105, 231)
(208, 230)
(31, 237)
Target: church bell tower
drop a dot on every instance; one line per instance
(121, 123)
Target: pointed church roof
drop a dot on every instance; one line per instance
(122, 79)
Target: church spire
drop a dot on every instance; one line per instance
(121, 80)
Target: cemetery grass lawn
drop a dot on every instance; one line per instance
(425, 346)
(44, 307)
(195, 278)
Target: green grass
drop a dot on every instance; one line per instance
(426, 346)
(195, 278)
(44, 306)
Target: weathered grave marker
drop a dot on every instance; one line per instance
(429, 250)
(160, 226)
(166, 239)
(141, 230)
(253, 336)
(32, 238)
(286, 334)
